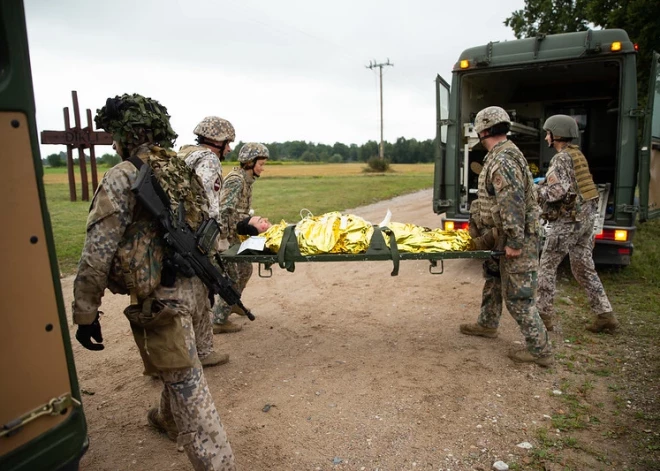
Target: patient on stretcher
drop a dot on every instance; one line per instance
(350, 234)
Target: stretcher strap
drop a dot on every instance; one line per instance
(288, 249)
(377, 246)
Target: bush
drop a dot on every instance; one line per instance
(376, 164)
(54, 160)
(110, 159)
(336, 159)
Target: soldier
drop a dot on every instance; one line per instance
(118, 230)
(491, 296)
(570, 203)
(507, 202)
(235, 202)
(214, 136)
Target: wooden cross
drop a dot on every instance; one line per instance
(80, 138)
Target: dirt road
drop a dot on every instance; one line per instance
(362, 371)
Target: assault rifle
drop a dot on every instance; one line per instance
(190, 255)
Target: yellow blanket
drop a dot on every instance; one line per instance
(347, 233)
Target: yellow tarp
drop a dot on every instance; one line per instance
(347, 233)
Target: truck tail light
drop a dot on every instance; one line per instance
(455, 225)
(618, 235)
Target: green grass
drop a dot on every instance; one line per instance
(274, 197)
(612, 394)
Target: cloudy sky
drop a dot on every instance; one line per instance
(279, 70)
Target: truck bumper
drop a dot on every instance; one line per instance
(609, 253)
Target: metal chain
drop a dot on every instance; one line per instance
(54, 407)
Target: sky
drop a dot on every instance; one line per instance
(279, 70)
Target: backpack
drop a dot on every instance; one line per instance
(138, 264)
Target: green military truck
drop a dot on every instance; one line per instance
(589, 75)
(42, 425)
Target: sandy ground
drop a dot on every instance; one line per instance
(362, 371)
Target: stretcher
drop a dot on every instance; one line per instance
(289, 254)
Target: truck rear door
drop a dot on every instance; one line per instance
(42, 426)
(440, 201)
(649, 161)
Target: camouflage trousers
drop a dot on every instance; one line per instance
(239, 273)
(575, 239)
(202, 325)
(518, 291)
(491, 296)
(186, 399)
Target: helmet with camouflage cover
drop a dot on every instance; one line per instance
(562, 127)
(134, 119)
(216, 129)
(252, 151)
(489, 117)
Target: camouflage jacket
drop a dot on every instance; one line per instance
(110, 214)
(506, 183)
(209, 169)
(560, 185)
(235, 201)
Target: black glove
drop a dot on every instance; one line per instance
(86, 333)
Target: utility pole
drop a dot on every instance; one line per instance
(373, 65)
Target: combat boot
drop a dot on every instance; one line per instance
(548, 322)
(214, 359)
(476, 329)
(606, 322)
(156, 421)
(523, 356)
(226, 328)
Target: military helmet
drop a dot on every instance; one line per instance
(562, 126)
(252, 151)
(489, 117)
(215, 128)
(134, 119)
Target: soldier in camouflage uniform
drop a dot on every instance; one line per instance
(214, 136)
(235, 203)
(570, 203)
(141, 129)
(507, 202)
(491, 296)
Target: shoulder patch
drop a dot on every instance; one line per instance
(552, 179)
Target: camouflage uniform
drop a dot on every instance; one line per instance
(209, 169)
(507, 202)
(491, 298)
(186, 399)
(235, 202)
(571, 233)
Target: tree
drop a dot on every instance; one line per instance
(309, 156)
(548, 17)
(640, 19)
(110, 159)
(54, 160)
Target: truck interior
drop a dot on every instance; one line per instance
(588, 91)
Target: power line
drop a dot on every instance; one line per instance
(372, 65)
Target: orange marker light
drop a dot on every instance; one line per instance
(621, 235)
(465, 64)
(449, 225)
(616, 46)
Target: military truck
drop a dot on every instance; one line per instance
(42, 424)
(589, 75)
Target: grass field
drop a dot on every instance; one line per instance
(282, 192)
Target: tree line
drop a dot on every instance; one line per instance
(402, 151)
